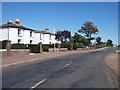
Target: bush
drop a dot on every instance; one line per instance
(99, 46)
(65, 45)
(18, 46)
(3, 44)
(51, 45)
(77, 45)
(34, 48)
(45, 48)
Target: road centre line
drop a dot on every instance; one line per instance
(66, 65)
(34, 86)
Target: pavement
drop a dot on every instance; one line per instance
(17, 59)
(111, 61)
(78, 70)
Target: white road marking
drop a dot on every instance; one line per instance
(66, 65)
(38, 84)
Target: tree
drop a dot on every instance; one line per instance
(66, 35)
(77, 38)
(98, 40)
(109, 42)
(63, 35)
(58, 35)
(88, 29)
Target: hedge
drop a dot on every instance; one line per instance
(34, 48)
(19, 46)
(3, 44)
(75, 46)
(47, 46)
(65, 45)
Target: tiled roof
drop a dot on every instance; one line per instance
(14, 26)
(25, 28)
(43, 32)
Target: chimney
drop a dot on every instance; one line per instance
(17, 22)
(46, 29)
(9, 22)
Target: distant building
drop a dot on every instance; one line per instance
(17, 33)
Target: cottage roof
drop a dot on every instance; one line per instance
(14, 26)
(43, 32)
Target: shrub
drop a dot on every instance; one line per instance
(18, 46)
(3, 44)
(51, 45)
(99, 46)
(65, 45)
(45, 48)
(77, 45)
(34, 48)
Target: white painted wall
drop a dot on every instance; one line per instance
(46, 39)
(13, 34)
(3, 34)
(25, 36)
(37, 38)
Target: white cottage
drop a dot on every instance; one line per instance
(44, 36)
(17, 33)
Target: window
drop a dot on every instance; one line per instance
(19, 40)
(40, 37)
(19, 32)
(30, 33)
(30, 41)
(50, 36)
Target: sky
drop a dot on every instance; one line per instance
(65, 16)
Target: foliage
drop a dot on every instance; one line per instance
(34, 48)
(3, 44)
(65, 45)
(98, 40)
(18, 46)
(77, 38)
(109, 42)
(63, 35)
(88, 29)
(99, 46)
(45, 48)
(76, 45)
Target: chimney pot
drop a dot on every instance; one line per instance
(9, 22)
(46, 28)
(17, 21)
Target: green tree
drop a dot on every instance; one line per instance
(109, 42)
(98, 40)
(77, 38)
(88, 29)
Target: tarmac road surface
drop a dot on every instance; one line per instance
(86, 70)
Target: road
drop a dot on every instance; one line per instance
(86, 70)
